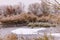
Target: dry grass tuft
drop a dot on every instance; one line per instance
(11, 37)
(1, 38)
(45, 37)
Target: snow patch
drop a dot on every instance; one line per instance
(27, 30)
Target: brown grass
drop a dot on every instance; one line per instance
(1, 37)
(19, 17)
(45, 37)
(11, 37)
(31, 18)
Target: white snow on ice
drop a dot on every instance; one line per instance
(27, 30)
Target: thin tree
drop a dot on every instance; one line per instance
(35, 9)
(45, 7)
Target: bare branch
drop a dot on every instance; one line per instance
(57, 2)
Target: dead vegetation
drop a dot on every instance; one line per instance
(1, 37)
(11, 37)
(38, 12)
(45, 37)
(25, 17)
(19, 18)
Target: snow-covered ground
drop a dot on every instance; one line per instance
(30, 31)
(27, 30)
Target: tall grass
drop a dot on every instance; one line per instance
(44, 37)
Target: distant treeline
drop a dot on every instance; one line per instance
(37, 12)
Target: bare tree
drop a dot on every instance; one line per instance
(45, 7)
(14, 10)
(48, 7)
(10, 10)
(42, 8)
(35, 8)
(19, 8)
(55, 7)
